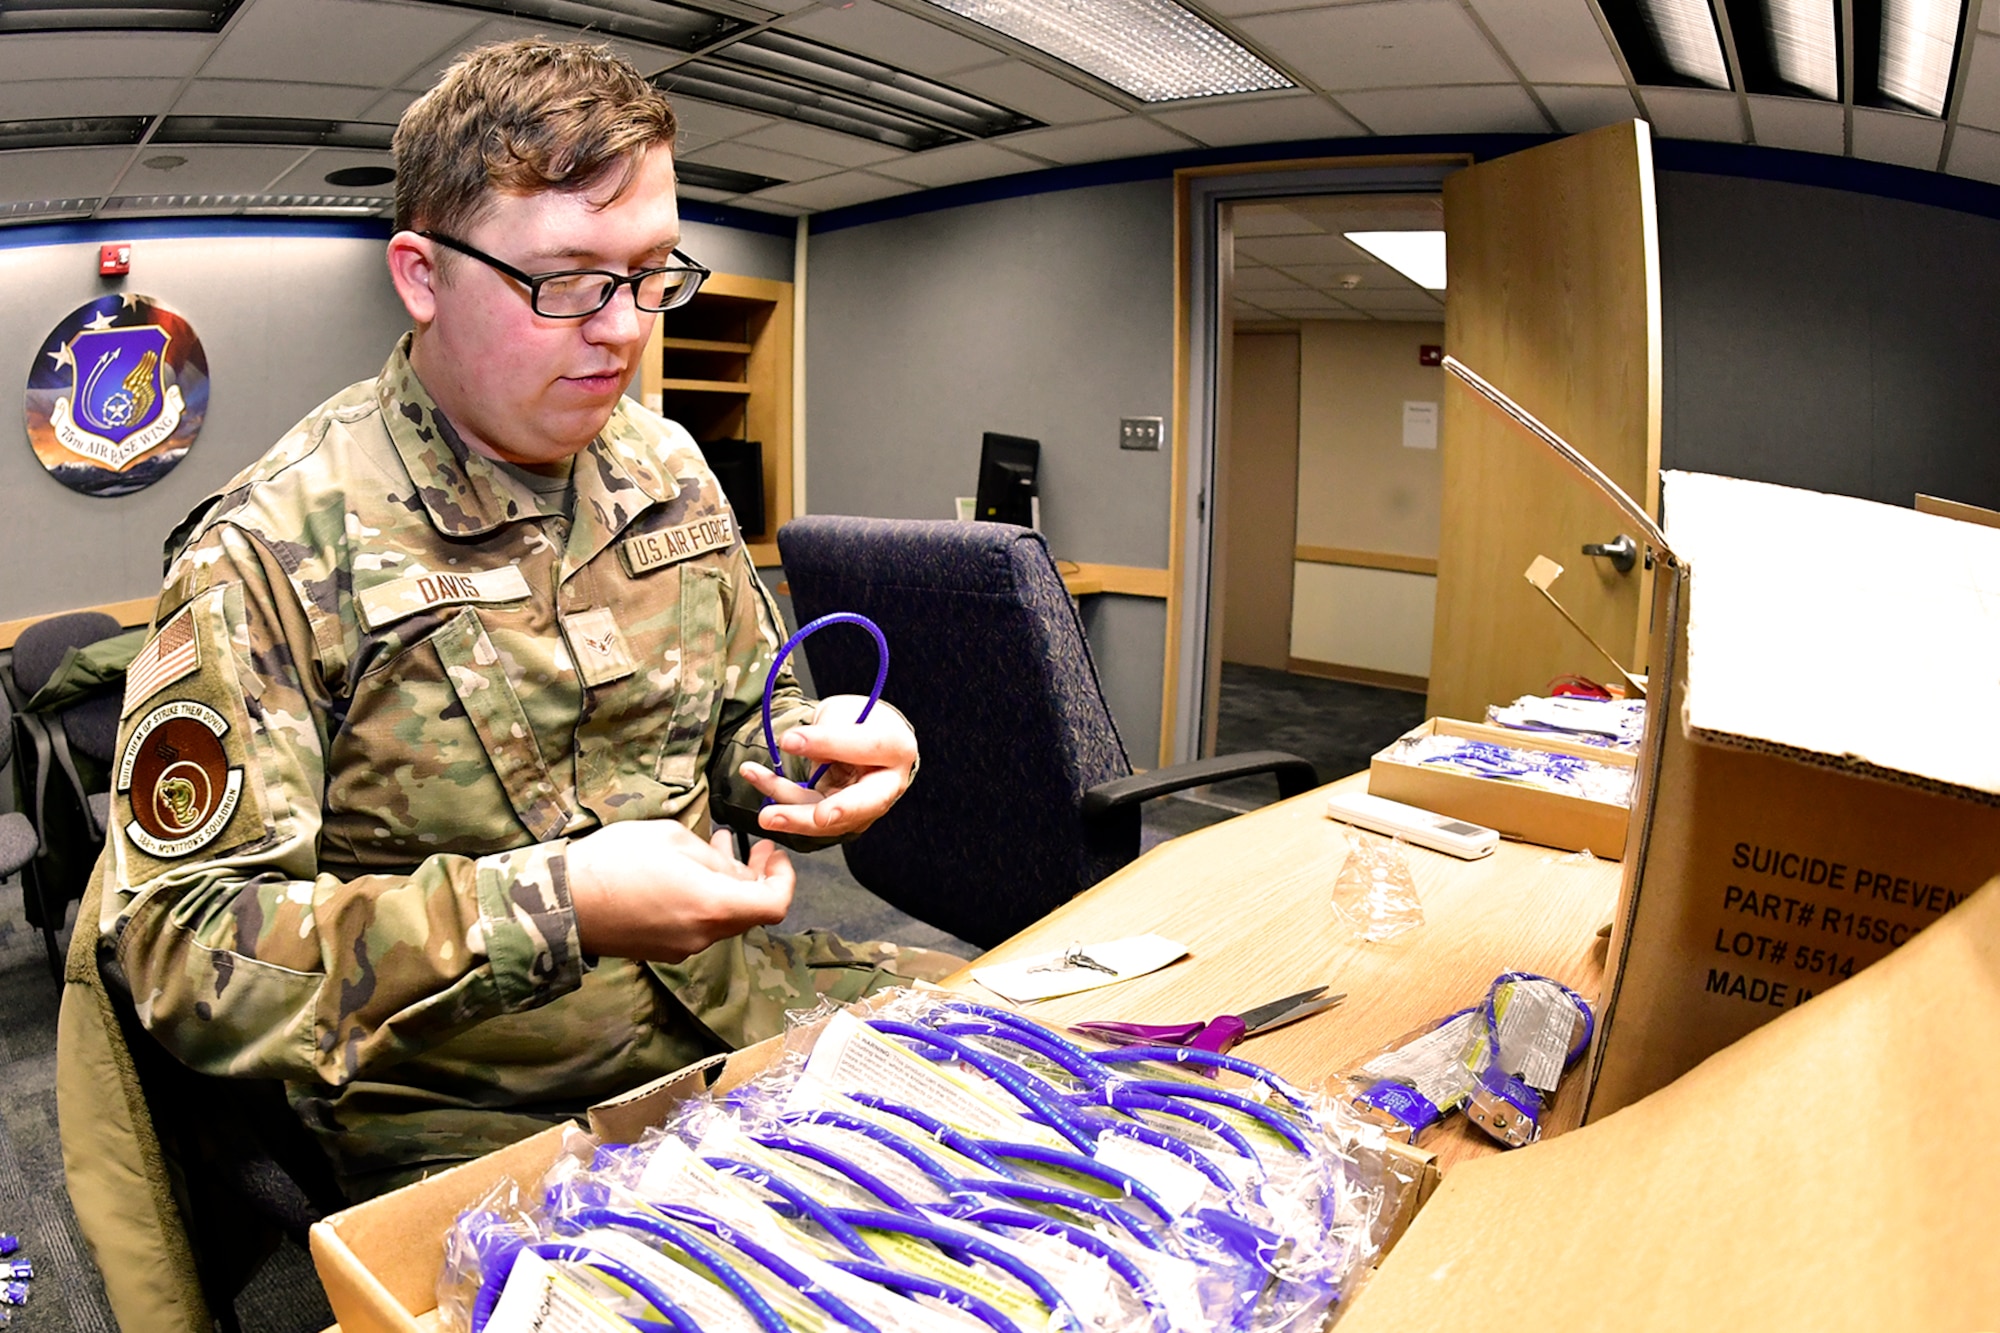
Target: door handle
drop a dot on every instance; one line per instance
(1622, 553)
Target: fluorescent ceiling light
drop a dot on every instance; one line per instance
(71, 131)
(818, 66)
(281, 131)
(1919, 38)
(660, 22)
(1684, 33)
(121, 15)
(1153, 49)
(1804, 48)
(248, 205)
(705, 177)
(1417, 255)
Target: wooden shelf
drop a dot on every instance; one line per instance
(721, 365)
(704, 345)
(704, 386)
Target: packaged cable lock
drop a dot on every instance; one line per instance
(945, 1167)
(1530, 1030)
(1420, 1078)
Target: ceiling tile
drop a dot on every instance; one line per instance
(1268, 220)
(1266, 120)
(1235, 9)
(59, 173)
(1797, 122)
(101, 55)
(842, 150)
(763, 161)
(1266, 284)
(335, 41)
(259, 97)
(309, 176)
(1694, 113)
(1552, 41)
(220, 169)
(1409, 316)
(1580, 109)
(849, 187)
(1375, 301)
(1891, 136)
(958, 162)
(706, 196)
(29, 99)
(389, 107)
(1035, 92)
(1327, 277)
(647, 59)
(903, 40)
(1389, 44)
(1285, 251)
(1975, 153)
(1371, 212)
(1305, 302)
(1981, 106)
(703, 123)
(1097, 143)
(1496, 109)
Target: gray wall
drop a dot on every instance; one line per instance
(1835, 341)
(286, 321)
(1049, 316)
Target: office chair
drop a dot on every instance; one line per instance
(245, 1171)
(1025, 796)
(64, 773)
(18, 843)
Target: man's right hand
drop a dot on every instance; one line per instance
(652, 890)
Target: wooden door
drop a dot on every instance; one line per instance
(1554, 297)
(1263, 499)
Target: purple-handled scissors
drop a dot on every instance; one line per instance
(1218, 1034)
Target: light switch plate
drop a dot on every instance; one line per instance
(1140, 432)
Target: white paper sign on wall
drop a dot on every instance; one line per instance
(1420, 425)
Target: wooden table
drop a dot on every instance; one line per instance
(1250, 899)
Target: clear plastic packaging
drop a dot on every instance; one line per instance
(944, 1166)
(1375, 894)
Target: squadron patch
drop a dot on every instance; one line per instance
(182, 787)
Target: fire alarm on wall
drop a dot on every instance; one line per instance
(114, 260)
(1430, 354)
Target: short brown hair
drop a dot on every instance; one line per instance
(521, 117)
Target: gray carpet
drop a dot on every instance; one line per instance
(1336, 725)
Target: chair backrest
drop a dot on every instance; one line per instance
(987, 659)
(40, 648)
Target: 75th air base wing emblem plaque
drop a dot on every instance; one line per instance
(116, 395)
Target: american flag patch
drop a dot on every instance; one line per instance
(173, 653)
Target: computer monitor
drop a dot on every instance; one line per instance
(1007, 465)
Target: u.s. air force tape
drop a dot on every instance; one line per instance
(182, 786)
(650, 550)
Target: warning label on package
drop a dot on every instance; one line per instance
(1793, 923)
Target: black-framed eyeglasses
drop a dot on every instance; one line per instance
(581, 293)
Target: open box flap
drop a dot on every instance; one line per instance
(1840, 632)
(1829, 1171)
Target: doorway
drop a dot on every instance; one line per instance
(1329, 474)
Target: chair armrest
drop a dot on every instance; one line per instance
(1295, 775)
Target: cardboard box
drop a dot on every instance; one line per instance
(380, 1260)
(1820, 777)
(1514, 810)
(1827, 1173)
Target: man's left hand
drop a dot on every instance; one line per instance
(871, 763)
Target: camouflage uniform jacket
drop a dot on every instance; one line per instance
(387, 683)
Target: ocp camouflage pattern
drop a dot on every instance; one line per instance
(429, 680)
